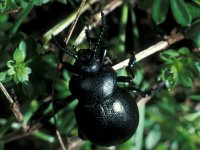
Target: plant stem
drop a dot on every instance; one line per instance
(152, 49)
(13, 105)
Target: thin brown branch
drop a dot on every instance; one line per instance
(60, 140)
(97, 18)
(15, 136)
(74, 143)
(13, 105)
(74, 22)
(151, 50)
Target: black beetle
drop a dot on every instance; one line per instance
(106, 114)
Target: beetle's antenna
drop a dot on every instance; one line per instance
(101, 32)
(63, 49)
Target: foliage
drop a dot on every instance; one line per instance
(28, 68)
(179, 67)
(17, 68)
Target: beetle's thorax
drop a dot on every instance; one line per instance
(87, 63)
(94, 87)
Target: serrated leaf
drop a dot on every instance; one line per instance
(180, 12)
(19, 54)
(11, 71)
(159, 10)
(193, 31)
(168, 55)
(182, 74)
(185, 80)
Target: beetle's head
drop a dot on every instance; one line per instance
(87, 62)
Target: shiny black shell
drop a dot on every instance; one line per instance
(106, 114)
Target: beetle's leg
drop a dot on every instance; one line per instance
(58, 45)
(66, 65)
(69, 67)
(147, 93)
(138, 91)
(131, 88)
(131, 63)
(124, 79)
(61, 52)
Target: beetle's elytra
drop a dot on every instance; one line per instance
(106, 114)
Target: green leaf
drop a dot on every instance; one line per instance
(10, 63)
(2, 76)
(186, 78)
(159, 10)
(46, 137)
(195, 97)
(181, 74)
(41, 2)
(152, 138)
(180, 12)
(193, 31)
(20, 53)
(168, 55)
(11, 71)
(27, 70)
(196, 1)
(194, 10)
(183, 51)
(197, 42)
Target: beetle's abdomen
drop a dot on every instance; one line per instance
(95, 87)
(110, 123)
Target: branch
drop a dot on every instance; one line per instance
(13, 105)
(151, 50)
